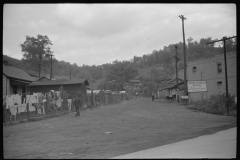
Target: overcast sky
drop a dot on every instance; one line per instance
(94, 34)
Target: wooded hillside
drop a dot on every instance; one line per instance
(150, 68)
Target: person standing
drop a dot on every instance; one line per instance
(152, 96)
(77, 103)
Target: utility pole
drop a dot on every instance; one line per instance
(225, 61)
(51, 66)
(177, 59)
(40, 57)
(39, 70)
(184, 53)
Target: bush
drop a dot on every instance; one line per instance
(216, 104)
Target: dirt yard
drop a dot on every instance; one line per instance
(135, 125)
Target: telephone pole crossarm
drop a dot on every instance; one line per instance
(231, 37)
(213, 41)
(220, 40)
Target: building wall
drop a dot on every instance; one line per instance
(162, 94)
(4, 84)
(172, 91)
(207, 70)
(7, 88)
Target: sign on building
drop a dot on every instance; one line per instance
(197, 86)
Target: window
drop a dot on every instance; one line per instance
(219, 83)
(194, 69)
(219, 67)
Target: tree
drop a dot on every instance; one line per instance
(121, 72)
(35, 50)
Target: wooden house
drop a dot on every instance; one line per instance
(15, 80)
(72, 87)
(168, 89)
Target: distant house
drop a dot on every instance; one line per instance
(212, 70)
(15, 80)
(93, 88)
(135, 82)
(43, 79)
(168, 89)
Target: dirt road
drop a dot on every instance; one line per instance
(135, 125)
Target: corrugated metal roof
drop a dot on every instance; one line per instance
(59, 82)
(17, 73)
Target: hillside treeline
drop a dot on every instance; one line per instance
(150, 68)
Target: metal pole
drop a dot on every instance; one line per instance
(226, 77)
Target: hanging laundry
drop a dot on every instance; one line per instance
(40, 97)
(13, 109)
(9, 101)
(52, 94)
(43, 96)
(23, 98)
(39, 111)
(69, 104)
(57, 94)
(30, 101)
(15, 99)
(19, 97)
(35, 98)
(31, 108)
(59, 102)
(22, 108)
(43, 110)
